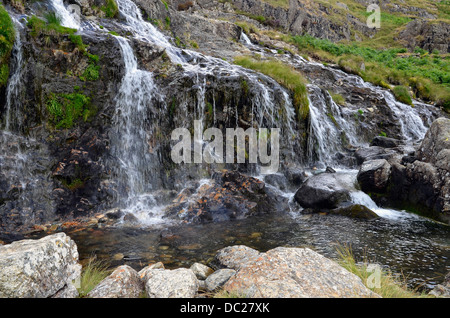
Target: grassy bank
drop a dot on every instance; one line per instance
(284, 75)
(386, 284)
(428, 75)
(7, 36)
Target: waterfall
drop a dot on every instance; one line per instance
(15, 84)
(68, 19)
(131, 139)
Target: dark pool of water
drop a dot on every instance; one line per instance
(414, 247)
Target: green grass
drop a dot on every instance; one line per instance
(110, 9)
(390, 285)
(7, 37)
(91, 275)
(427, 74)
(50, 27)
(401, 94)
(65, 109)
(284, 75)
(337, 98)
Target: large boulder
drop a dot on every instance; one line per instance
(38, 268)
(373, 176)
(165, 283)
(295, 273)
(437, 139)
(325, 191)
(124, 282)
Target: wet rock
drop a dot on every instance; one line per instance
(218, 278)
(324, 191)
(201, 271)
(229, 195)
(443, 289)
(234, 256)
(177, 283)
(371, 153)
(385, 142)
(295, 273)
(436, 139)
(356, 211)
(373, 176)
(38, 268)
(124, 282)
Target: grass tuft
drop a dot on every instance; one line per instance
(389, 286)
(91, 275)
(284, 75)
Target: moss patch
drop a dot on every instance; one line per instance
(7, 36)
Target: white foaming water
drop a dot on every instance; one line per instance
(15, 83)
(359, 197)
(68, 19)
(131, 139)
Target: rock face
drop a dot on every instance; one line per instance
(324, 191)
(428, 35)
(38, 268)
(295, 273)
(177, 283)
(124, 282)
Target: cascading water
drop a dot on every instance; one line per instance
(15, 84)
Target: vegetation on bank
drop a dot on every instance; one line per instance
(91, 275)
(387, 286)
(428, 75)
(284, 75)
(7, 37)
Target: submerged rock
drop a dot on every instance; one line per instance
(38, 268)
(357, 211)
(295, 273)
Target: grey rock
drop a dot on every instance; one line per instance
(218, 278)
(124, 282)
(296, 273)
(234, 257)
(177, 283)
(373, 176)
(201, 271)
(325, 191)
(38, 268)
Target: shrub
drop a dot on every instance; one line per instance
(92, 274)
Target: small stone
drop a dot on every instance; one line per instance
(218, 278)
(201, 271)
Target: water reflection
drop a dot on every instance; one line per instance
(412, 246)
